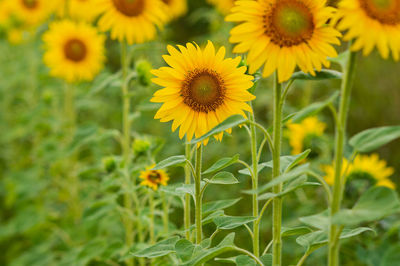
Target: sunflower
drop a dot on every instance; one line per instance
(201, 89)
(368, 167)
(281, 34)
(307, 129)
(371, 23)
(223, 6)
(5, 14)
(32, 12)
(330, 171)
(74, 51)
(154, 178)
(79, 9)
(175, 8)
(135, 21)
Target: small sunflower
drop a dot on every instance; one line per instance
(135, 21)
(175, 8)
(154, 178)
(82, 10)
(201, 89)
(223, 6)
(32, 12)
(366, 167)
(281, 34)
(74, 51)
(298, 133)
(372, 23)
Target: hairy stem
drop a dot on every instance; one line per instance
(198, 194)
(187, 196)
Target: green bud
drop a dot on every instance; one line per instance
(48, 96)
(143, 68)
(109, 164)
(140, 146)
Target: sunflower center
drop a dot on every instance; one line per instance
(384, 11)
(75, 50)
(130, 8)
(167, 1)
(289, 23)
(154, 177)
(203, 90)
(31, 4)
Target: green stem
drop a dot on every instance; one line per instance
(186, 210)
(256, 226)
(347, 83)
(198, 194)
(277, 202)
(69, 109)
(303, 259)
(165, 205)
(151, 203)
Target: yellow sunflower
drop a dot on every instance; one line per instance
(175, 8)
(79, 9)
(281, 34)
(135, 21)
(223, 6)
(154, 178)
(74, 51)
(330, 171)
(366, 166)
(371, 23)
(32, 12)
(201, 89)
(299, 132)
(5, 13)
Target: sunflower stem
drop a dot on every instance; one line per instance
(198, 194)
(151, 203)
(254, 159)
(187, 196)
(277, 202)
(165, 205)
(338, 187)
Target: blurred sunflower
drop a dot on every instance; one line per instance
(330, 171)
(32, 12)
(301, 133)
(371, 23)
(175, 8)
(79, 10)
(154, 178)
(223, 6)
(5, 14)
(281, 34)
(201, 89)
(74, 51)
(368, 167)
(135, 21)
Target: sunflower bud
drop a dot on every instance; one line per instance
(109, 164)
(140, 146)
(143, 68)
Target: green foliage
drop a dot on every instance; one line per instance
(374, 138)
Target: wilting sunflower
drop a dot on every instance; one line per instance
(201, 89)
(223, 6)
(78, 9)
(32, 12)
(299, 133)
(154, 178)
(371, 23)
(281, 34)
(175, 8)
(135, 21)
(368, 167)
(74, 51)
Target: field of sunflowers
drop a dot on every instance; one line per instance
(199, 132)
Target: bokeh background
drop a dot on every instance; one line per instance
(34, 224)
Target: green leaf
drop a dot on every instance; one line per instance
(374, 204)
(320, 220)
(219, 205)
(184, 249)
(178, 160)
(260, 167)
(162, 248)
(230, 122)
(341, 59)
(299, 182)
(188, 189)
(223, 178)
(374, 138)
(314, 108)
(267, 196)
(321, 75)
(266, 259)
(221, 164)
(230, 222)
(293, 231)
(244, 260)
(391, 256)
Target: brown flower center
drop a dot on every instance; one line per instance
(384, 11)
(154, 177)
(75, 50)
(130, 8)
(289, 23)
(31, 4)
(203, 90)
(167, 1)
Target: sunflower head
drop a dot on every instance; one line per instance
(201, 89)
(175, 8)
(81, 10)
(371, 23)
(135, 21)
(330, 171)
(74, 51)
(283, 34)
(154, 178)
(32, 12)
(223, 6)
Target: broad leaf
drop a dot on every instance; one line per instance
(321, 75)
(391, 256)
(374, 204)
(341, 59)
(219, 205)
(223, 178)
(320, 220)
(266, 259)
(374, 138)
(184, 249)
(188, 188)
(230, 122)
(244, 260)
(230, 222)
(221, 164)
(178, 160)
(293, 231)
(162, 248)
